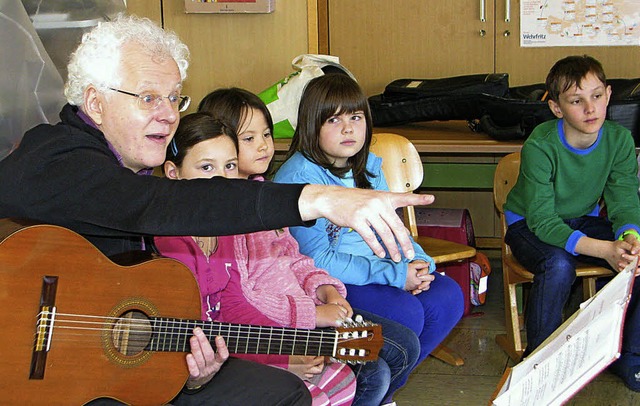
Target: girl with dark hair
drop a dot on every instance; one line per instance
(331, 147)
(252, 122)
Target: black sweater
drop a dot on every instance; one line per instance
(65, 174)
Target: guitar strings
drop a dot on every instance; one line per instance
(144, 324)
(238, 340)
(139, 332)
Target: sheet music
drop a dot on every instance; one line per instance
(576, 352)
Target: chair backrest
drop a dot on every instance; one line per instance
(402, 168)
(504, 179)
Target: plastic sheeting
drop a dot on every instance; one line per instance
(30, 87)
(60, 24)
(34, 55)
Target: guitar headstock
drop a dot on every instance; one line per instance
(358, 341)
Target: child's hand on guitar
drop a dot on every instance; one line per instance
(203, 361)
(336, 309)
(331, 315)
(305, 367)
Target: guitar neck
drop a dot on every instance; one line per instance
(171, 334)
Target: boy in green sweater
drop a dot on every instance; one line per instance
(553, 213)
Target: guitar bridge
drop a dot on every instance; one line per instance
(44, 327)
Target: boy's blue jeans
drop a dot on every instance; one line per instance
(554, 271)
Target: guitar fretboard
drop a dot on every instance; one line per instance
(169, 334)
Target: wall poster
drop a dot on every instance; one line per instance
(545, 23)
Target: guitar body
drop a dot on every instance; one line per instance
(81, 367)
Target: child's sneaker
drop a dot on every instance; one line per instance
(627, 367)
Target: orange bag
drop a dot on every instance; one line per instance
(480, 268)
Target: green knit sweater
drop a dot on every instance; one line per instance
(557, 182)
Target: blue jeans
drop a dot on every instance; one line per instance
(377, 381)
(554, 271)
(431, 314)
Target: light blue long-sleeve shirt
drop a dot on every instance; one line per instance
(339, 250)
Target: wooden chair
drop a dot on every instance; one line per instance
(513, 273)
(403, 170)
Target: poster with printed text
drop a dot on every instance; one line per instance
(546, 23)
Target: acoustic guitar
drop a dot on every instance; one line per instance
(76, 326)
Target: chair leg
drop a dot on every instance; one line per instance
(511, 342)
(447, 355)
(588, 287)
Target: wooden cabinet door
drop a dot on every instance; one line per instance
(252, 51)
(531, 65)
(151, 9)
(382, 40)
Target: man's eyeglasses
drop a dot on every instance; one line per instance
(150, 101)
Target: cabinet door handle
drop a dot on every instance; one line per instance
(483, 11)
(507, 11)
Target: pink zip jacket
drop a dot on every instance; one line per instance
(277, 279)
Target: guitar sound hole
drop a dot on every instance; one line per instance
(131, 333)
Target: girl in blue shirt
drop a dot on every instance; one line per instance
(331, 147)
